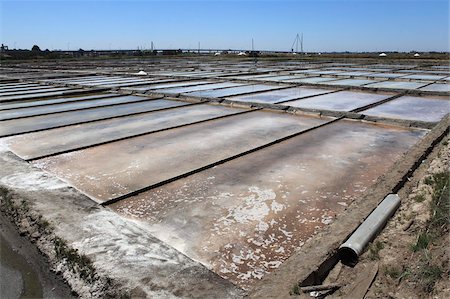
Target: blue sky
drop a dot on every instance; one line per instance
(333, 25)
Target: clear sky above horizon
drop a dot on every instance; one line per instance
(327, 25)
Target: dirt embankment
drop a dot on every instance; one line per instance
(412, 252)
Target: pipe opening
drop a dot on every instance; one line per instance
(348, 256)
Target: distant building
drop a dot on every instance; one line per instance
(382, 55)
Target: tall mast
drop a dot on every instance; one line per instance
(301, 43)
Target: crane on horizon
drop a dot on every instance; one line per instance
(297, 40)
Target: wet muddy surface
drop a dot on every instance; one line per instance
(36, 88)
(166, 85)
(134, 83)
(350, 82)
(385, 75)
(277, 96)
(413, 108)
(311, 80)
(33, 91)
(29, 124)
(17, 85)
(30, 111)
(22, 97)
(86, 79)
(277, 78)
(437, 87)
(355, 74)
(176, 90)
(264, 206)
(147, 160)
(34, 145)
(323, 72)
(32, 103)
(251, 76)
(339, 101)
(112, 81)
(424, 77)
(397, 85)
(232, 91)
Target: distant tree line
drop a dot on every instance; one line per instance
(37, 53)
(34, 53)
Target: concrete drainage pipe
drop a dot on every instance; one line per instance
(366, 232)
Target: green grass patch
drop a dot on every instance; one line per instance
(439, 210)
(295, 290)
(419, 198)
(427, 273)
(374, 250)
(75, 261)
(6, 197)
(397, 272)
(423, 240)
(440, 204)
(428, 180)
(394, 272)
